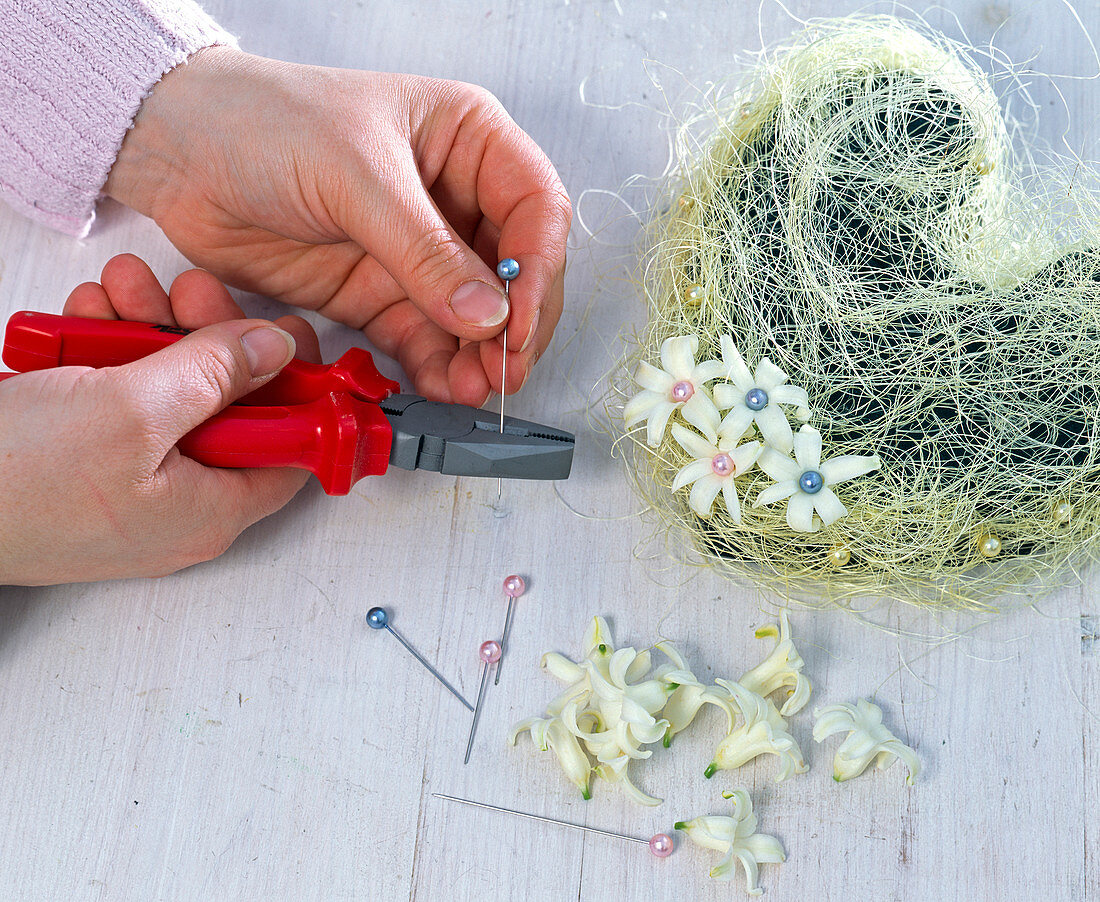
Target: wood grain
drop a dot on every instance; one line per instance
(236, 732)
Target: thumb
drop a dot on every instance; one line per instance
(443, 277)
(188, 382)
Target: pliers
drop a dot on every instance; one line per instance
(340, 421)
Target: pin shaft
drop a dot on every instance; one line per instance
(539, 817)
(412, 651)
(477, 712)
(503, 374)
(504, 639)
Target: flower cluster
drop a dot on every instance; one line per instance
(614, 706)
(617, 703)
(609, 711)
(727, 419)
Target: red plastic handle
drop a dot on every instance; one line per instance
(338, 438)
(36, 341)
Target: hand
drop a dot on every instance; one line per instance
(383, 201)
(94, 486)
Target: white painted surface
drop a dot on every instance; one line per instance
(236, 732)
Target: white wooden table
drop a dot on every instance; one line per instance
(236, 732)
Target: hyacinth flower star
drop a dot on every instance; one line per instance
(764, 732)
(680, 383)
(807, 481)
(688, 696)
(550, 734)
(867, 740)
(781, 669)
(737, 837)
(755, 398)
(713, 470)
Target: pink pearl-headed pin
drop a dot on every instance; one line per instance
(660, 845)
(514, 587)
(682, 391)
(722, 464)
(488, 653)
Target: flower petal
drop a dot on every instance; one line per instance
(788, 394)
(737, 371)
(702, 414)
(800, 512)
(829, 508)
(841, 469)
(695, 445)
(765, 849)
(703, 493)
(778, 466)
(620, 663)
(745, 457)
(639, 407)
(733, 503)
(769, 376)
(773, 426)
(708, 371)
(832, 719)
(807, 448)
(658, 419)
(678, 355)
(653, 379)
(736, 423)
(781, 491)
(697, 469)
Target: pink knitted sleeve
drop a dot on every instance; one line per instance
(72, 76)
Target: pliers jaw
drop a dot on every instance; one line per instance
(457, 440)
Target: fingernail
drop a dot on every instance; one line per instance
(479, 304)
(527, 372)
(268, 350)
(531, 332)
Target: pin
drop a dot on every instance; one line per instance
(514, 587)
(660, 844)
(489, 652)
(378, 619)
(507, 269)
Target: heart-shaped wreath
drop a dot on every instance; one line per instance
(872, 364)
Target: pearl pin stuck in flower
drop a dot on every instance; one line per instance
(676, 385)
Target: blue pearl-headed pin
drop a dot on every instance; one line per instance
(756, 399)
(811, 482)
(507, 269)
(378, 619)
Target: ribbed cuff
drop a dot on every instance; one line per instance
(73, 74)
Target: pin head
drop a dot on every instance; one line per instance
(489, 652)
(508, 269)
(661, 845)
(514, 586)
(377, 618)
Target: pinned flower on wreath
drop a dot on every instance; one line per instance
(807, 481)
(678, 385)
(755, 399)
